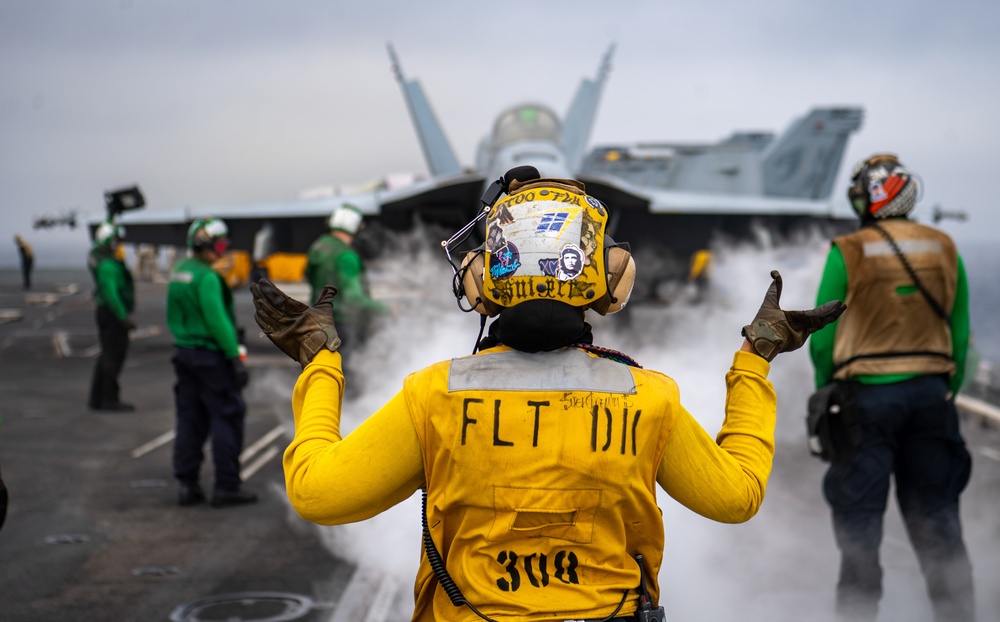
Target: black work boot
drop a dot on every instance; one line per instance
(190, 494)
(228, 498)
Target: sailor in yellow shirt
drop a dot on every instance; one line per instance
(540, 454)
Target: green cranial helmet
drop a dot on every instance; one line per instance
(107, 233)
(208, 234)
(346, 218)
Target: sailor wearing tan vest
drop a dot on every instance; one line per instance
(900, 349)
(539, 455)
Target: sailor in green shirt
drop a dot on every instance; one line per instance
(210, 374)
(333, 261)
(114, 294)
(900, 349)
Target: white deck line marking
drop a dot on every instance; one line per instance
(991, 453)
(250, 451)
(978, 407)
(256, 465)
(382, 601)
(60, 343)
(144, 449)
(356, 600)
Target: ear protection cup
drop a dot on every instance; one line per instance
(857, 194)
(218, 246)
(620, 267)
(473, 265)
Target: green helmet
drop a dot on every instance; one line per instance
(346, 218)
(107, 233)
(208, 234)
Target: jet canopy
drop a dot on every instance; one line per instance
(526, 122)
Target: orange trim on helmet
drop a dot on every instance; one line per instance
(891, 187)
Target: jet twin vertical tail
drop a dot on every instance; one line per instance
(440, 158)
(582, 112)
(804, 161)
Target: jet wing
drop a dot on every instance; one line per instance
(296, 223)
(682, 222)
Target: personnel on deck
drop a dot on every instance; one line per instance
(27, 260)
(210, 375)
(539, 456)
(333, 261)
(899, 354)
(3, 496)
(114, 294)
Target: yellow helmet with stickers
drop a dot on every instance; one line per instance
(547, 241)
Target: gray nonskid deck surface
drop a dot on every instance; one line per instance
(94, 531)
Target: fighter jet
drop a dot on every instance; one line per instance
(666, 199)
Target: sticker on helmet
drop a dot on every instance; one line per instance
(876, 192)
(552, 222)
(505, 261)
(596, 204)
(494, 239)
(567, 266)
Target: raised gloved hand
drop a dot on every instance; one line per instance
(773, 330)
(298, 330)
(240, 371)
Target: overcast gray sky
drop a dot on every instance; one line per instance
(205, 102)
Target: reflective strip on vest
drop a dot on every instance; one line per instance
(567, 369)
(907, 247)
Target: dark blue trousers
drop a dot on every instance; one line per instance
(113, 338)
(910, 430)
(209, 403)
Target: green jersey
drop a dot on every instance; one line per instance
(113, 286)
(332, 261)
(200, 312)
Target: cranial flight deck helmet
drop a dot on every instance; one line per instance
(208, 234)
(107, 233)
(545, 241)
(882, 188)
(346, 218)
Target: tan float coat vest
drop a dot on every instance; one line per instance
(542, 472)
(889, 327)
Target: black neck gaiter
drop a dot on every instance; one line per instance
(538, 326)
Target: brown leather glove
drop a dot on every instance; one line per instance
(774, 331)
(298, 330)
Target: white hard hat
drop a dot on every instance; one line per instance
(346, 218)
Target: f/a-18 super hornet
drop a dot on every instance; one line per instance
(668, 200)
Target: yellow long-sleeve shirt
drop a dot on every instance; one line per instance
(538, 496)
